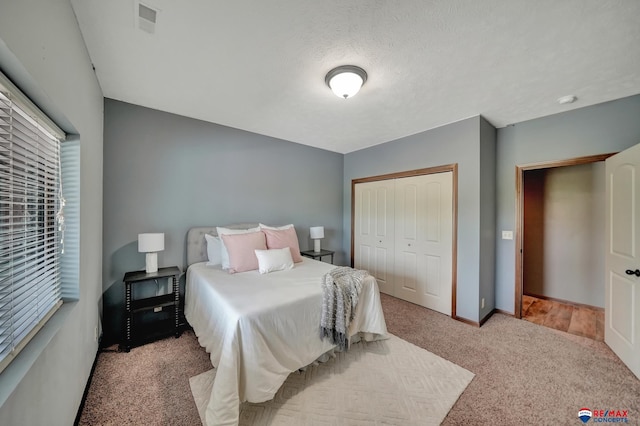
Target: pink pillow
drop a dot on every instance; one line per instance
(281, 238)
(241, 248)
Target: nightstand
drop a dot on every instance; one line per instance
(318, 254)
(150, 304)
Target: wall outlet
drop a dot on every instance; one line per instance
(507, 235)
(482, 303)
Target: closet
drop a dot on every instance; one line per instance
(560, 210)
(403, 235)
(563, 235)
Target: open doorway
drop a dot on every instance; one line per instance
(560, 243)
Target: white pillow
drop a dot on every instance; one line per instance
(228, 231)
(277, 228)
(274, 260)
(214, 250)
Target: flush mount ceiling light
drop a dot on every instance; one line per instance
(346, 80)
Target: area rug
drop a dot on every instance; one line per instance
(391, 382)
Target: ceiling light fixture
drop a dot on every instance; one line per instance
(346, 80)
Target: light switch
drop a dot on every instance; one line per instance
(507, 235)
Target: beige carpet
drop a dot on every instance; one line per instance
(524, 374)
(388, 382)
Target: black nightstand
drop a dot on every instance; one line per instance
(318, 254)
(155, 304)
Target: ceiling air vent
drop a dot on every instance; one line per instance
(147, 18)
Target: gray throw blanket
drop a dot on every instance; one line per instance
(340, 289)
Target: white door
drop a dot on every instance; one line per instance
(373, 231)
(622, 297)
(423, 240)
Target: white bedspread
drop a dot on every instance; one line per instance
(260, 328)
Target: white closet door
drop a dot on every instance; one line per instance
(373, 231)
(622, 284)
(423, 240)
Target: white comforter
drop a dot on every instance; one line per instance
(260, 328)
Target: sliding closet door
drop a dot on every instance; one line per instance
(423, 240)
(373, 231)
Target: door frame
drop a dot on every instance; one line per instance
(519, 247)
(453, 168)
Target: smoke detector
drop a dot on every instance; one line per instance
(569, 99)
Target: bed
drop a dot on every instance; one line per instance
(259, 328)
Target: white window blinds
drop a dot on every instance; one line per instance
(70, 259)
(29, 232)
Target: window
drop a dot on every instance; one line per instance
(31, 220)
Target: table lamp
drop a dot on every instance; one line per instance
(151, 244)
(317, 233)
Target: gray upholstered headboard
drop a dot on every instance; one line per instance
(197, 245)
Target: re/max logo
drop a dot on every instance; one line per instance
(610, 413)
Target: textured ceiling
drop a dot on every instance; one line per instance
(260, 65)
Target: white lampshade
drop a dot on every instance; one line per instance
(151, 244)
(316, 232)
(148, 243)
(346, 80)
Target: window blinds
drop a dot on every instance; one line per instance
(29, 235)
(70, 259)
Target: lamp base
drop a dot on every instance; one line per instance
(316, 246)
(151, 263)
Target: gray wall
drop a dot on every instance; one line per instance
(455, 143)
(42, 51)
(167, 173)
(564, 233)
(487, 216)
(598, 129)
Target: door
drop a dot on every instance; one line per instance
(423, 240)
(622, 286)
(373, 233)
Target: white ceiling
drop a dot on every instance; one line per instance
(260, 65)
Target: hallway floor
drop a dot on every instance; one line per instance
(578, 320)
